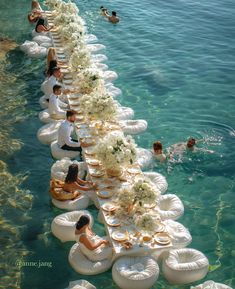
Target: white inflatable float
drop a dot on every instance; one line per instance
(184, 266)
(158, 179)
(89, 38)
(113, 90)
(80, 284)
(93, 48)
(49, 132)
(32, 49)
(60, 168)
(180, 236)
(58, 153)
(98, 58)
(45, 117)
(133, 126)
(169, 207)
(135, 272)
(101, 66)
(63, 226)
(43, 102)
(41, 39)
(109, 76)
(81, 264)
(211, 285)
(144, 157)
(124, 113)
(79, 203)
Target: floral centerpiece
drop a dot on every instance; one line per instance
(73, 27)
(145, 222)
(89, 81)
(52, 4)
(98, 106)
(145, 192)
(116, 150)
(80, 59)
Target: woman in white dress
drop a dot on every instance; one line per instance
(91, 245)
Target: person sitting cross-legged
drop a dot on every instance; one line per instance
(56, 106)
(66, 128)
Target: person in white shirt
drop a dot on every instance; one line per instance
(57, 108)
(48, 84)
(65, 141)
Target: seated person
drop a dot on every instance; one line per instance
(52, 60)
(157, 151)
(57, 108)
(64, 133)
(41, 27)
(57, 192)
(53, 79)
(73, 182)
(35, 6)
(92, 246)
(113, 18)
(34, 16)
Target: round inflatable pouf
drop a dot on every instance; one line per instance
(125, 113)
(59, 169)
(184, 266)
(159, 180)
(90, 38)
(211, 285)
(79, 203)
(43, 102)
(58, 153)
(34, 33)
(133, 126)
(81, 264)
(144, 157)
(135, 272)
(32, 49)
(63, 226)
(45, 117)
(180, 235)
(109, 76)
(98, 57)
(101, 66)
(48, 133)
(113, 90)
(169, 207)
(40, 39)
(80, 284)
(93, 48)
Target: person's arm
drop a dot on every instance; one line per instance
(90, 245)
(62, 104)
(82, 182)
(106, 14)
(68, 140)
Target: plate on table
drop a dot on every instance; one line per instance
(89, 152)
(162, 238)
(109, 207)
(93, 162)
(104, 194)
(96, 173)
(120, 235)
(78, 117)
(67, 76)
(160, 228)
(65, 70)
(113, 222)
(87, 141)
(68, 81)
(134, 171)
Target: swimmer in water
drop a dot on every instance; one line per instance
(158, 152)
(113, 18)
(103, 10)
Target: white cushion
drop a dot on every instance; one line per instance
(59, 153)
(211, 285)
(49, 132)
(80, 284)
(133, 126)
(158, 179)
(144, 157)
(169, 207)
(79, 203)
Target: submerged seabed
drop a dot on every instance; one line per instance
(176, 69)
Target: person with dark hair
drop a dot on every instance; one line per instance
(41, 27)
(65, 141)
(113, 18)
(158, 151)
(48, 84)
(92, 246)
(57, 108)
(103, 10)
(73, 182)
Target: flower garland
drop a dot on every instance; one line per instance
(145, 192)
(145, 222)
(80, 59)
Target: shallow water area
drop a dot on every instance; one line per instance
(176, 65)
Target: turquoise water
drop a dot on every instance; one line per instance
(175, 62)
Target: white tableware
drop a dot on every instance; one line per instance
(120, 235)
(109, 207)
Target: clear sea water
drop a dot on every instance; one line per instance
(176, 67)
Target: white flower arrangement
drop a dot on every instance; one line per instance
(116, 150)
(99, 106)
(145, 191)
(145, 222)
(89, 82)
(66, 31)
(52, 4)
(80, 59)
(125, 197)
(68, 7)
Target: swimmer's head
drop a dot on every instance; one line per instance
(114, 13)
(191, 142)
(157, 145)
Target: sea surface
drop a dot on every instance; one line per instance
(176, 67)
